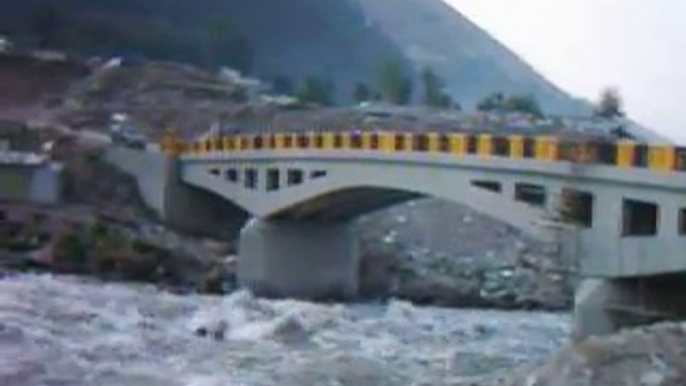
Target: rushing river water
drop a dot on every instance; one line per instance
(69, 331)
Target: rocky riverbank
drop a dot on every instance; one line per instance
(649, 356)
(428, 252)
(81, 240)
(435, 252)
(72, 240)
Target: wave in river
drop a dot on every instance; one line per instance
(71, 331)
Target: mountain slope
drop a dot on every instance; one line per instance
(268, 38)
(433, 34)
(344, 40)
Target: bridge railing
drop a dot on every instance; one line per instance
(624, 154)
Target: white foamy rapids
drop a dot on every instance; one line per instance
(67, 331)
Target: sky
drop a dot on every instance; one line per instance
(583, 46)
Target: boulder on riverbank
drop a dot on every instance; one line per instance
(649, 356)
(89, 245)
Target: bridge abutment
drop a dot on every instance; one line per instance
(605, 306)
(314, 260)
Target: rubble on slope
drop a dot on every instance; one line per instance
(648, 356)
(442, 253)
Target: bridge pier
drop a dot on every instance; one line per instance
(312, 260)
(605, 306)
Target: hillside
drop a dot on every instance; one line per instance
(433, 34)
(26, 84)
(271, 39)
(345, 40)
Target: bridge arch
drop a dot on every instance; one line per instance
(346, 190)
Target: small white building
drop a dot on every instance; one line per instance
(5, 44)
(50, 55)
(254, 88)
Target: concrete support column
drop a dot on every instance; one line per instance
(299, 259)
(592, 308)
(605, 306)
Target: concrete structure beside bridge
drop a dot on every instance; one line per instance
(29, 177)
(623, 205)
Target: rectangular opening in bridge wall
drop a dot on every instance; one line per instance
(319, 141)
(338, 140)
(501, 146)
(472, 144)
(317, 174)
(641, 156)
(251, 178)
(356, 140)
(273, 179)
(577, 207)
(682, 221)
(375, 141)
(528, 147)
(681, 158)
(258, 142)
(288, 142)
(493, 186)
(295, 177)
(531, 194)
(639, 218)
(232, 175)
(303, 141)
(399, 140)
(215, 172)
(607, 153)
(443, 143)
(420, 142)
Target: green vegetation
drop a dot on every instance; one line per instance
(317, 90)
(610, 104)
(22, 237)
(281, 84)
(71, 251)
(362, 92)
(434, 94)
(500, 103)
(396, 85)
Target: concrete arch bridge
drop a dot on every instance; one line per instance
(624, 204)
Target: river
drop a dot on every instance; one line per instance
(72, 331)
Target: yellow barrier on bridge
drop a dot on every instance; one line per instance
(280, 141)
(458, 144)
(661, 158)
(516, 146)
(485, 147)
(367, 139)
(624, 154)
(546, 149)
(434, 142)
(386, 141)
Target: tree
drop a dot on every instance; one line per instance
(501, 103)
(316, 90)
(610, 104)
(396, 87)
(434, 94)
(524, 104)
(494, 102)
(362, 92)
